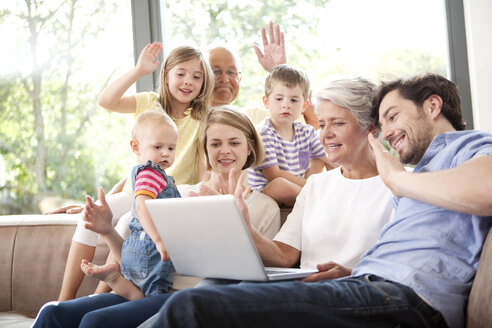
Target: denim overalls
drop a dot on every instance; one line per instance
(140, 261)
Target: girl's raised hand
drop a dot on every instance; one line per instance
(147, 61)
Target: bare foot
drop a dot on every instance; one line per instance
(107, 273)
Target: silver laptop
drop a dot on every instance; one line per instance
(207, 237)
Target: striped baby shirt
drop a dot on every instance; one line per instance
(149, 182)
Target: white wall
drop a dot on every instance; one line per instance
(478, 25)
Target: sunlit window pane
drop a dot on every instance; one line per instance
(56, 58)
(374, 38)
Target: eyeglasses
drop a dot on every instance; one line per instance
(229, 73)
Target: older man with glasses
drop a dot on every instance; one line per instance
(227, 68)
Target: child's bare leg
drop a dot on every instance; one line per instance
(110, 274)
(102, 287)
(123, 229)
(282, 191)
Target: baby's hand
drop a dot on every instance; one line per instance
(98, 217)
(163, 251)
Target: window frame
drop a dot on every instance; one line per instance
(147, 24)
(458, 56)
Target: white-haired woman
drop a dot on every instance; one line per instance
(339, 213)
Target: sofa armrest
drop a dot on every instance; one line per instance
(479, 311)
(34, 249)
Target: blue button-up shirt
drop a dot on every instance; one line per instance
(432, 250)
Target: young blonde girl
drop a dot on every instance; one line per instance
(184, 93)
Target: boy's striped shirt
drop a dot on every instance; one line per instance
(292, 156)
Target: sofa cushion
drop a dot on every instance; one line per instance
(15, 320)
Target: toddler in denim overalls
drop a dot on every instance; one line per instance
(140, 261)
(144, 260)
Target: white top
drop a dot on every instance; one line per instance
(264, 212)
(336, 219)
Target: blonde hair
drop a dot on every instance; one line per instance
(151, 116)
(289, 75)
(230, 115)
(199, 105)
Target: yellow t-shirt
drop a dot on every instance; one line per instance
(185, 168)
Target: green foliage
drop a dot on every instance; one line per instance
(237, 24)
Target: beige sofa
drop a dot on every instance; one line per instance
(33, 253)
(34, 248)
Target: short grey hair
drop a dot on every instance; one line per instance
(355, 94)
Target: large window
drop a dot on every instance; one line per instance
(58, 55)
(56, 58)
(377, 38)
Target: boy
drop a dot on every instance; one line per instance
(144, 259)
(293, 150)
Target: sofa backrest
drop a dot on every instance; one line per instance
(33, 255)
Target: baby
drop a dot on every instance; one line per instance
(146, 268)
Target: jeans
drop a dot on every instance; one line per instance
(141, 264)
(104, 310)
(364, 301)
